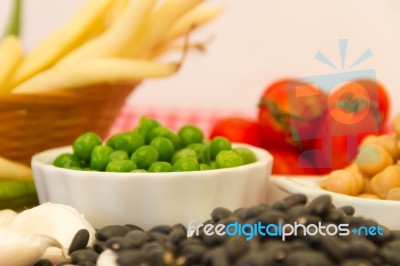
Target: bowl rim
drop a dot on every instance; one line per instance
(42, 159)
(309, 185)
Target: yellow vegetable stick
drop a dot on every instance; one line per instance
(200, 15)
(11, 55)
(10, 170)
(67, 38)
(95, 71)
(158, 23)
(118, 36)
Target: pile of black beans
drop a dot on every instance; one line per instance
(169, 245)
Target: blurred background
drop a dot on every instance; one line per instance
(253, 44)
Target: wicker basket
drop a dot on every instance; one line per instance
(35, 122)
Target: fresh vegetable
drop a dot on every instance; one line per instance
(289, 112)
(287, 162)
(151, 147)
(238, 129)
(11, 170)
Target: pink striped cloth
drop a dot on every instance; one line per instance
(173, 117)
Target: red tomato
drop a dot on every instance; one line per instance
(350, 117)
(290, 163)
(238, 129)
(288, 113)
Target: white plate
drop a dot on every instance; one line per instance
(386, 212)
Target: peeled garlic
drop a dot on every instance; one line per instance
(17, 249)
(6, 217)
(58, 221)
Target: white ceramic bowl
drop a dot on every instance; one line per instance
(148, 199)
(386, 212)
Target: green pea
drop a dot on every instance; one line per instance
(184, 153)
(128, 141)
(219, 144)
(118, 156)
(247, 155)
(67, 160)
(189, 134)
(202, 151)
(146, 125)
(164, 147)
(204, 166)
(160, 167)
(100, 157)
(145, 156)
(84, 145)
(186, 164)
(110, 141)
(164, 132)
(213, 165)
(227, 159)
(139, 171)
(125, 166)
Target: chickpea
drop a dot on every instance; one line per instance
(367, 186)
(352, 168)
(384, 181)
(393, 194)
(368, 196)
(396, 125)
(390, 144)
(345, 182)
(322, 183)
(370, 139)
(372, 159)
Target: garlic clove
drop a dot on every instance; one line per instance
(17, 249)
(55, 220)
(6, 217)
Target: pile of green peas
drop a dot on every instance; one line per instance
(151, 147)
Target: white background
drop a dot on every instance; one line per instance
(257, 42)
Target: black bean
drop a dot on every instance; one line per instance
(133, 227)
(192, 254)
(158, 237)
(348, 210)
(216, 256)
(308, 219)
(236, 247)
(356, 262)
(307, 258)
(333, 247)
(152, 246)
(276, 252)
(321, 206)
(138, 237)
(98, 246)
(220, 213)
(109, 231)
(393, 245)
(163, 229)
(132, 257)
(176, 236)
(384, 236)
(279, 206)
(271, 217)
(294, 200)
(252, 259)
(238, 212)
(118, 243)
(251, 212)
(80, 240)
(298, 244)
(43, 262)
(180, 227)
(296, 212)
(190, 241)
(336, 216)
(84, 255)
(391, 257)
(361, 249)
